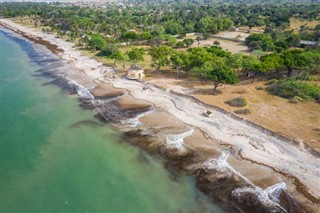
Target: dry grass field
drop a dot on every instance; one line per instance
(296, 23)
(232, 46)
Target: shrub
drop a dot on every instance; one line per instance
(304, 76)
(290, 88)
(237, 102)
(243, 111)
(96, 42)
(180, 44)
(108, 50)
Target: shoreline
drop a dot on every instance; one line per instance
(56, 50)
(177, 107)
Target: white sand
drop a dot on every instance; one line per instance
(253, 144)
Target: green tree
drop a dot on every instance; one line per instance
(272, 62)
(210, 24)
(255, 45)
(118, 56)
(96, 42)
(312, 60)
(218, 51)
(189, 27)
(253, 66)
(235, 61)
(292, 59)
(198, 56)
(260, 41)
(179, 60)
(207, 25)
(180, 44)
(160, 56)
(145, 36)
(129, 36)
(217, 72)
(108, 50)
(168, 39)
(292, 39)
(135, 54)
(173, 28)
(188, 41)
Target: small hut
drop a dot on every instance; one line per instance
(135, 73)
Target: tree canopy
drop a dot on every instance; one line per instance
(160, 56)
(135, 54)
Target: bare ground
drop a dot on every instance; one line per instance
(232, 46)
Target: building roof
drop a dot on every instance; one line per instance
(311, 43)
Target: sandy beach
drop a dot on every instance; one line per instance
(259, 162)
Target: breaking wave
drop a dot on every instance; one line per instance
(134, 122)
(268, 197)
(176, 140)
(82, 92)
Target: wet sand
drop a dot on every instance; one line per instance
(130, 103)
(164, 122)
(107, 91)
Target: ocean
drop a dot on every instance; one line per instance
(57, 157)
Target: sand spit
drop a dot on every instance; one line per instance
(250, 161)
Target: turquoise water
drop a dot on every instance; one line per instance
(52, 163)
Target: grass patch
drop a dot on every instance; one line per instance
(237, 102)
(296, 23)
(290, 89)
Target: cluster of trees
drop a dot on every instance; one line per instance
(293, 62)
(222, 67)
(273, 41)
(207, 64)
(154, 19)
(159, 24)
(310, 34)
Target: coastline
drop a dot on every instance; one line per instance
(211, 135)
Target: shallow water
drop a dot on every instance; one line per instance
(56, 157)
